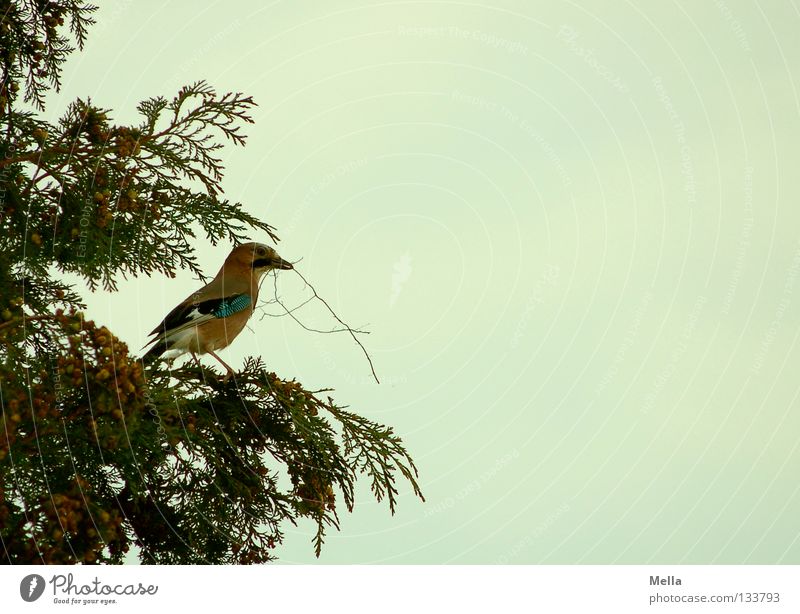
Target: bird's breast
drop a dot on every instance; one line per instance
(220, 332)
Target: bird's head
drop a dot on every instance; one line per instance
(257, 257)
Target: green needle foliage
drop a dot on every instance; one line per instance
(96, 454)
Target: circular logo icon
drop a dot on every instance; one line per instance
(31, 587)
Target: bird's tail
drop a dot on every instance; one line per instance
(155, 352)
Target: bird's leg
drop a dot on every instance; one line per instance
(224, 364)
(196, 360)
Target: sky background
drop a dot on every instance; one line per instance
(573, 232)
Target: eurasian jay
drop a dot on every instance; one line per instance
(210, 318)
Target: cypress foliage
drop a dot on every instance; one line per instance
(98, 455)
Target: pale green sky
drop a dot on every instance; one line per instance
(572, 230)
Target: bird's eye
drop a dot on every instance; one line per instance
(261, 251)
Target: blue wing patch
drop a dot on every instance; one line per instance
(229, 306)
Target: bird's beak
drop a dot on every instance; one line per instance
(280, 263)
(272, 263)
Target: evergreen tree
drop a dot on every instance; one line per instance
(98, 454)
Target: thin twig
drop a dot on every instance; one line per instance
(36, 178)
(286, 311)
(347, 328)
(338, 319)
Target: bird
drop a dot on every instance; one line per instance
(211, 318)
